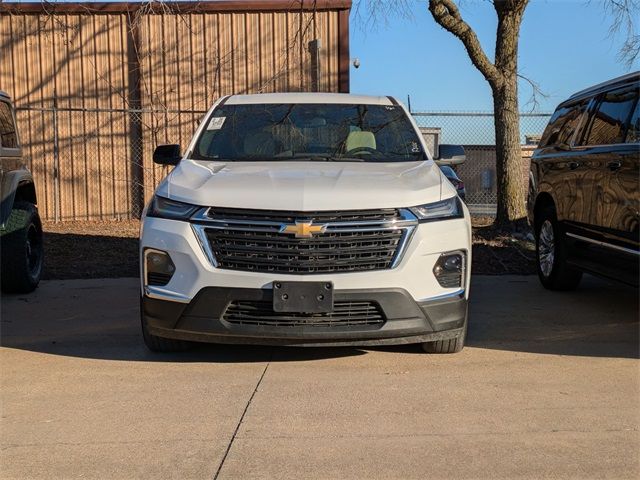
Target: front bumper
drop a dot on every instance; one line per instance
(405, 320)
(414, 273)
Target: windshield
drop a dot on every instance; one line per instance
(323, 132)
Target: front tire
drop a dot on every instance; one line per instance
(449, 345)
(22, 250)
(551, 252)
(160, 344)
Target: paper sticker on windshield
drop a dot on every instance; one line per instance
(216, 123)
(414, 147)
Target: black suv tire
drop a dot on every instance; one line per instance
(551, 254)
(22, 250)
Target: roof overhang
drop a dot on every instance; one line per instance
(176, 7)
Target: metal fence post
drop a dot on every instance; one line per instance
(134, 97)
(56, 160)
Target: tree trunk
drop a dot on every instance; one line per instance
(510, 185)
(511, 211)
(502, 75)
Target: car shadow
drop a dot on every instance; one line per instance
(99, 319)
(599, 319)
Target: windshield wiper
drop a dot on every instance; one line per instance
(333, 158)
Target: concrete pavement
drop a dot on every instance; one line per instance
(548, 387)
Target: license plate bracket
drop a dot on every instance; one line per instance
(303, 297)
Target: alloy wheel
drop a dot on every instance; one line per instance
(546, 248)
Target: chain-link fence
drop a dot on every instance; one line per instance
(475, 131)
(96, 164)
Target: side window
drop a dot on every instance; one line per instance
(633, 131)
(8, 137)
(563, 124)
(609, 120)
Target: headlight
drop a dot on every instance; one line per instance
(444, 209)
(164, 208)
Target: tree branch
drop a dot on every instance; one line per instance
(536, 93)
(624, 15)
(447, 15)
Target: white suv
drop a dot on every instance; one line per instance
(305, 219)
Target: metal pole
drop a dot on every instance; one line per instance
(314, 50)
(56, 160)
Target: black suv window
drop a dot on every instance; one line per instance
(8, 137)
(563, 124)
(609, 120)
(633, 132)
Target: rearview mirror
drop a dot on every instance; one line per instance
(451, 155)
(167, 155)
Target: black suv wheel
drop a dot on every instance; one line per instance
(551, 253)
(22, 252)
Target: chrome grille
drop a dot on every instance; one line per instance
(353, 241)
(344, 314)
(280, 216)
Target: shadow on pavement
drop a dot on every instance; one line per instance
(599, 319)
(82, 255)
(99, 319)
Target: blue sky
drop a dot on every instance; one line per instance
(564, 47)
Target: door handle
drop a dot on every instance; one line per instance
(614, 165)
(573, 165)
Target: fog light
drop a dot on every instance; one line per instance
(449, 270)
(158, 267)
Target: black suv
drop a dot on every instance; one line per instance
(584, 196)
(20, 228)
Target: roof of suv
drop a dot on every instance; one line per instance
(301, 97)
(628, 78)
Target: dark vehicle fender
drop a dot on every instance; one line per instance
(16, 185)
(540, 192)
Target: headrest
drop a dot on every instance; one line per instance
(360, 140)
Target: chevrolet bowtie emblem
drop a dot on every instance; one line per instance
(302, 229)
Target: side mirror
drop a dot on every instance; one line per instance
(451, 155)
(167, 155)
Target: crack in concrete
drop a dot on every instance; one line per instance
(244, 412)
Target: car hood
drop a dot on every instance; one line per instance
(304, 185)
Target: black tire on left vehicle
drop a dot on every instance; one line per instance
(21, 253)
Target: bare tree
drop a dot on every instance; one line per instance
(624, 14)
(502, 75)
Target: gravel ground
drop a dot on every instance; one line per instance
(91, 249)
(109, 249)
(497, 253)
